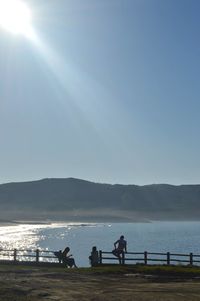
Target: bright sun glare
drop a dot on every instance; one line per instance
(15, 16)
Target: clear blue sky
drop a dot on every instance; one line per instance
(110, 94)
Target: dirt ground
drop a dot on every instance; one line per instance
(31, 284)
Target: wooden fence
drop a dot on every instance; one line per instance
(29, 256)
(150, 258)
(47, 257)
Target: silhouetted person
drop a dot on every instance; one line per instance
(67, 259)
(120, 247)
(94, 257)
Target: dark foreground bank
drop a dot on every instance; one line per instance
(19, 283)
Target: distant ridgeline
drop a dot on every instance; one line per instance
(79, 200)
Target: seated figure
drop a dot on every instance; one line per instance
(120, 247)
(65, 258)
(94, 257)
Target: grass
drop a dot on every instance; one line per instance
(147, 269)
(107, 268)
(15, 294)
(106, 282)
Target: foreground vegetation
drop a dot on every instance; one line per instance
(181, 270)
(108, 283)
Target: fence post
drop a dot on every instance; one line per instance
(123, 258)
(100, 257)
(15, 254)
(37, 255)
(191, 258)
(60, 256)
(145, 257)
(168, 258)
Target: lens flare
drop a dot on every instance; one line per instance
(15, 17)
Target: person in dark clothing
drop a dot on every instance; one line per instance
(67, 259)
(120, 247)
(94, 257)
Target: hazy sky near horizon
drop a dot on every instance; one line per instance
(109, 92)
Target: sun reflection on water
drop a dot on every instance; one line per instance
(27, 236)
(19, 237)
(23, 242)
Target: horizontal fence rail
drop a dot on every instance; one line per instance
(149, 258)
(48, 257)
(31, 256)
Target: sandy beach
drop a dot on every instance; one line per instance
(42, 283)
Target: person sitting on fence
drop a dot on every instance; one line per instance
(94, 257)
(120, 246)
(65, 258)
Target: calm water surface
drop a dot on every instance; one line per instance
(177, 237)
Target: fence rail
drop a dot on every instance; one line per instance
(150, 258)
(31, 256)
(44, 256)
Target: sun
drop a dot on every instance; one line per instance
(15, 17)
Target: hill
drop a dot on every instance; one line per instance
(74, 199)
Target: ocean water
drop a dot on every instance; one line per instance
(176, 237)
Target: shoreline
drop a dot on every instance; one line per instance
(7, 223)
